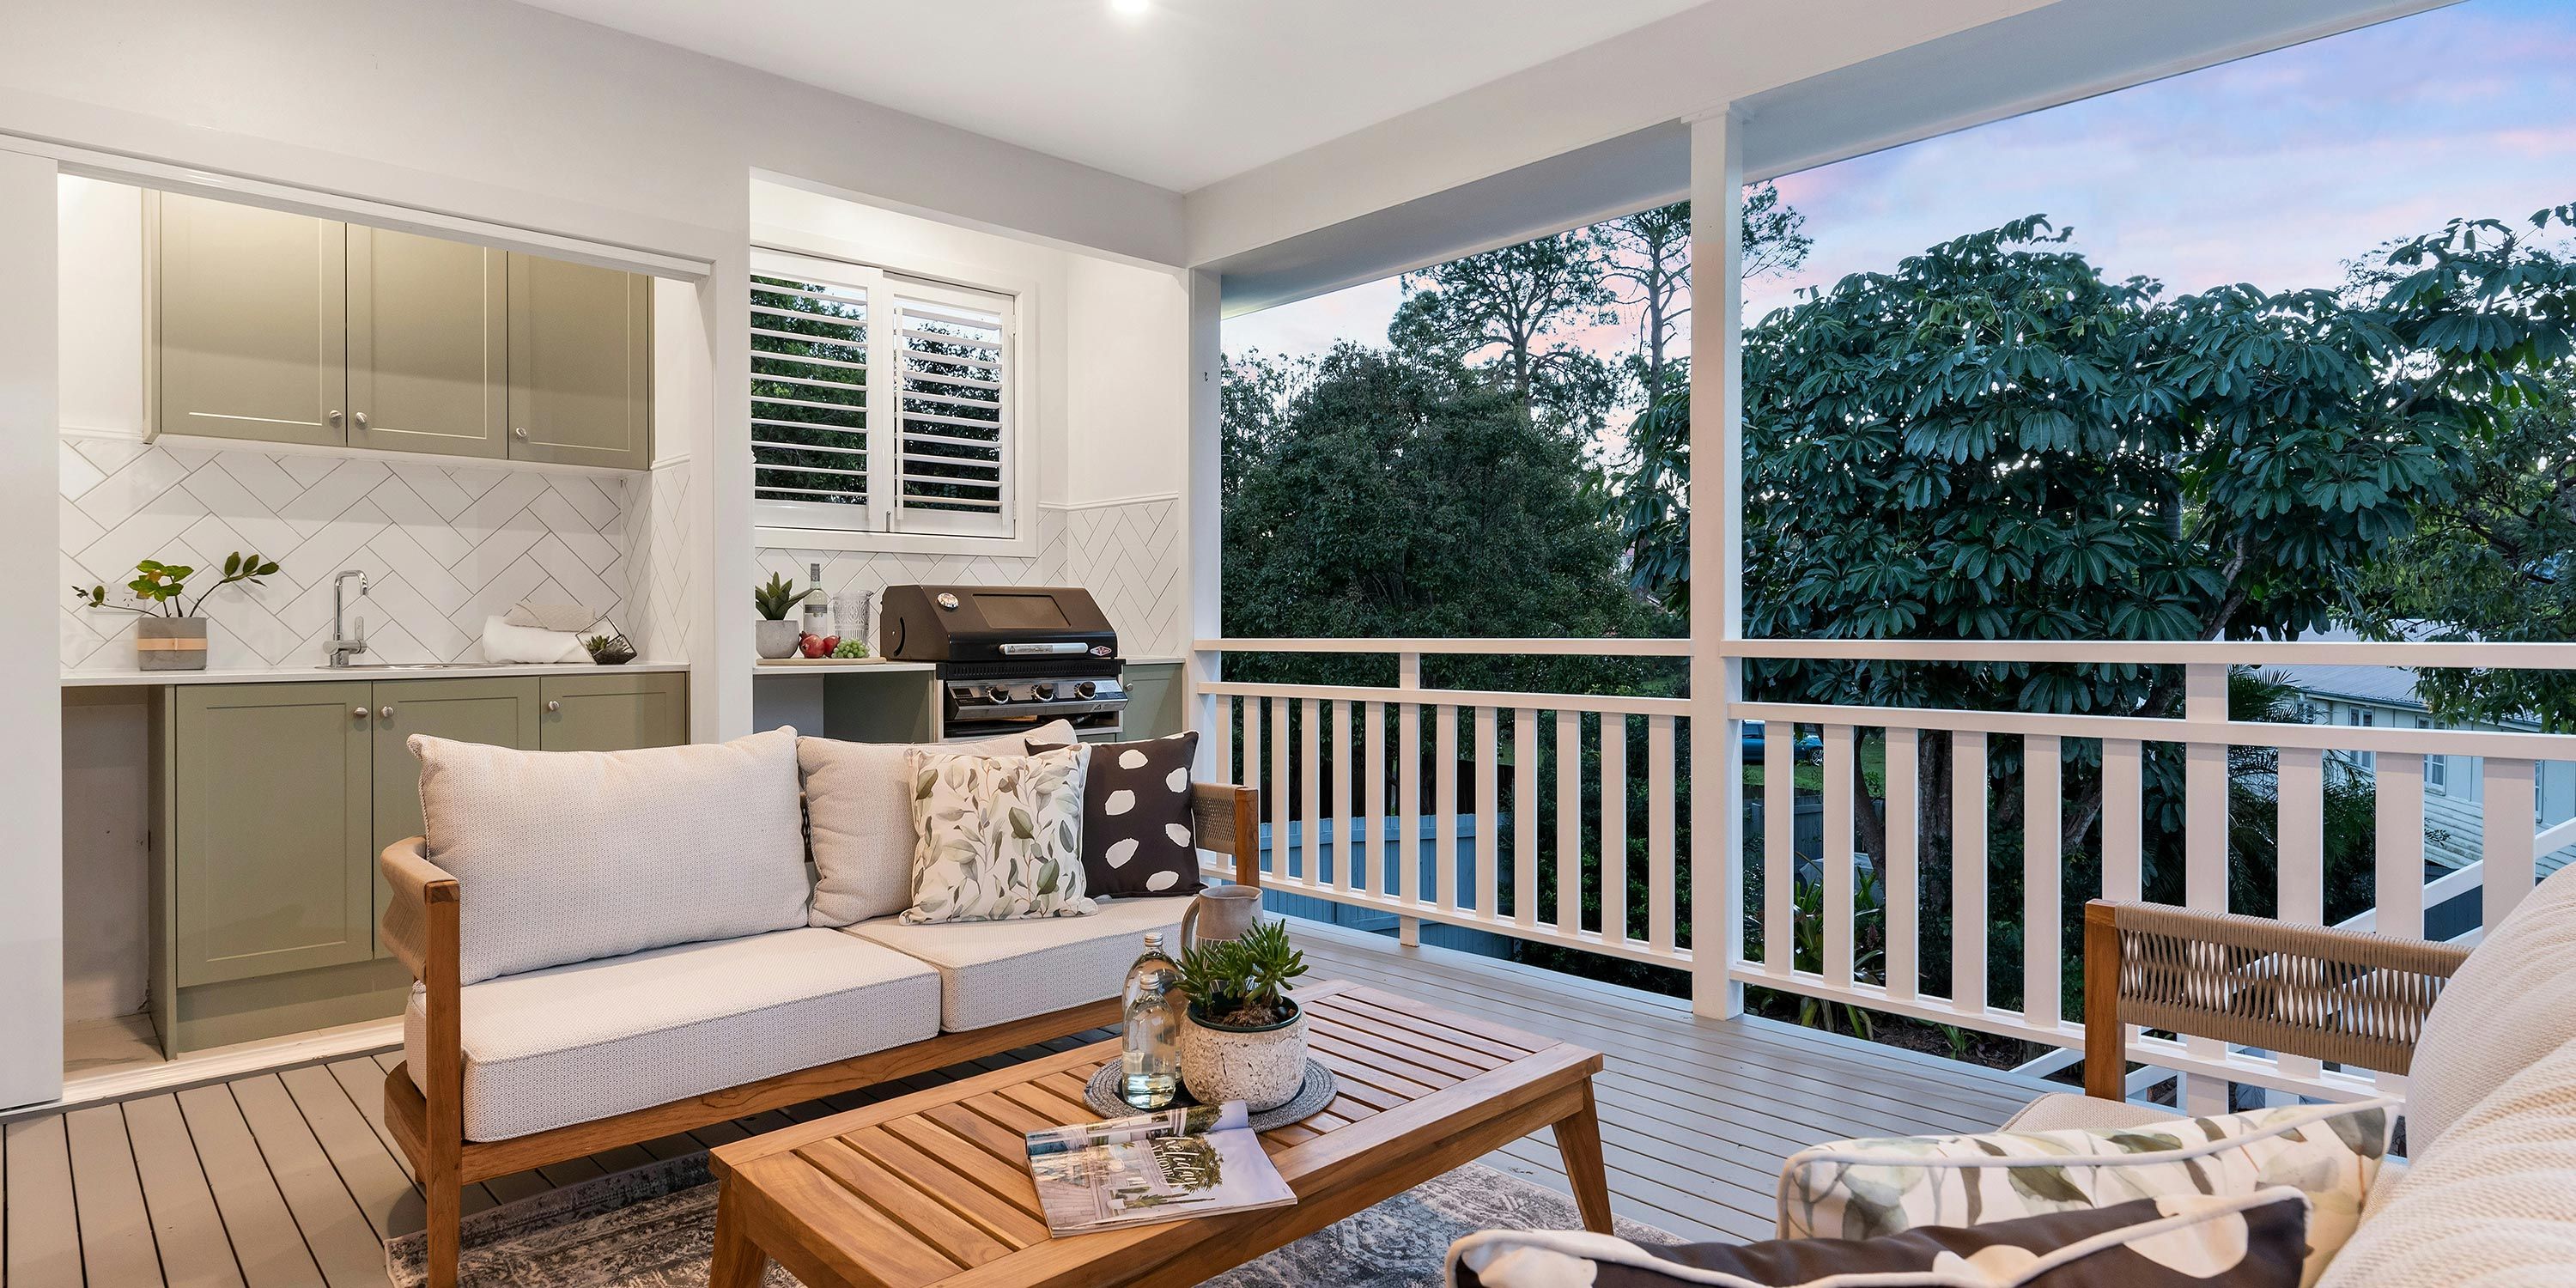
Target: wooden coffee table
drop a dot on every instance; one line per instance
(933, 1188)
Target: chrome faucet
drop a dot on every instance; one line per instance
(343, 646)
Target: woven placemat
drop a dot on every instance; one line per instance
(1312, 1095)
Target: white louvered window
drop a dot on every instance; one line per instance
(880, 403)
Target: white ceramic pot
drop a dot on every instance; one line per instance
(778, 638)
(1261, 1067)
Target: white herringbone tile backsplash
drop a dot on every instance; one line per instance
(1127, 555)
(444, 547)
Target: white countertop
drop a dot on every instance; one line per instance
(852, 666)
(285, 674)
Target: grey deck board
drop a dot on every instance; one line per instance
(184, 1220)
(115, 1232)
(44, 1240)
(290, 1179)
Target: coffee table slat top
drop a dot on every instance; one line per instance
(933, 1188)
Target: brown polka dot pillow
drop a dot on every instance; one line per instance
(1138, 837)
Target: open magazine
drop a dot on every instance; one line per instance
(1198, 1160)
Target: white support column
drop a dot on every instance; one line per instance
(1717, 567)
(31, 793)
(1202, 518)
(720, 676)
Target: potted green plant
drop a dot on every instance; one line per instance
(775, 635)
(1242, 1037)
(172, 633)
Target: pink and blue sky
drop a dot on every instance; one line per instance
(2273, 170)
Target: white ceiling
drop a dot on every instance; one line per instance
(1182, 95)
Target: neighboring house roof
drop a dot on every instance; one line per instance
(2388, 686)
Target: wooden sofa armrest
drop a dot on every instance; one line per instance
(416, 885)
(2336, 995)
(1228, 820)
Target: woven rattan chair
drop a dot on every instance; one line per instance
(2336, 995)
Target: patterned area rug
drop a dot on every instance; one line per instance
(653, 1227)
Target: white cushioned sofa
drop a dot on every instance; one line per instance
(612, 947)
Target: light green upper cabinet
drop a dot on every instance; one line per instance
(581, 364)
(500, 712)
(272, 796)
(288, 329)
(615, 711)
(428, 344)
(251, 322)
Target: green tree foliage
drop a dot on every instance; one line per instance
(808, 386)
(1509, 312)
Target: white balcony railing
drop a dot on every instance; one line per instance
(1344, 738)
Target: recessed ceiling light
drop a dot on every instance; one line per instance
(1131, 8)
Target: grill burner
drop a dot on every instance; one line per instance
(1010, 658)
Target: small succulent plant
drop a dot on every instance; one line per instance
(1243, 982)
(609, 650)
(777, 599)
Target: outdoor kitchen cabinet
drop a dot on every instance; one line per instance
(283, 328)
(270, 803)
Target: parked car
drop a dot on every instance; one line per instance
(1805, 746)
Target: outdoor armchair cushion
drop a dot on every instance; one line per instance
(2512, 1002)
(858, 803)
(1865, 1188)
(583, 1042)
(991, 972)
(2495, 1205)
(567, 856)
(2196, 1241)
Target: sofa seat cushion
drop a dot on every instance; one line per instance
(2512, 1002)
(569, 856)
(571, 1044)
(2061, 1111)
(992, 972)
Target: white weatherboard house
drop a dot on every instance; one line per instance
(363, 929)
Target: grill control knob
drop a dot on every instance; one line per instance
(998, 693)
(1085, 690)
(1043, 691)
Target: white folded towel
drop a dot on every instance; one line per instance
(503, 642)
(552, 617)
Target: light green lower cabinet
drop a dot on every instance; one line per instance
(272, 801)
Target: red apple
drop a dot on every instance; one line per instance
(830, 642)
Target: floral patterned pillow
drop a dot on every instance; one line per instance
(996, 837)
(1861, 1189)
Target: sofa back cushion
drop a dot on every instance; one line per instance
(568, 856)
(2496, 1204)
(858, 803)
(2512, 1002)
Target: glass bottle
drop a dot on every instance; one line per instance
(818, 603)
(1150, 1057)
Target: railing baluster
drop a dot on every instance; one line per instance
(2043, 873)
(1489, 806)
(1310, 778)
(1283, 856)
(1525, 816)
(1346, 850)
(2510, 787)
(1968, 873)
(1408, 810)
(1614, 828)
(1779, 844)
(2123, 832)
(1444, 864)
(1220, 730)
(2300, 891)
(1901, 890)
(1659, 833)
(1252, 773)
(1569, 823)
(1841, 765)
(2400, 845)
(1373, 810)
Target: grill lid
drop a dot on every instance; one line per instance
(993, 623)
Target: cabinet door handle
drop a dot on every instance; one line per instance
(360, 713)
(520, 432)
(335, 418)
(554, 706)
(386, 712)
(362, 420)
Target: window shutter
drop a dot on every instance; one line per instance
(956, 377)
(810, 348)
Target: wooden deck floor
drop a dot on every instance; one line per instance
(286, 1179)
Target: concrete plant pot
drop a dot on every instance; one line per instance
(170, 643)
(1263, 1066)
(778, 638)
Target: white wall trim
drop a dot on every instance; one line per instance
(202, 443)
(1145, 498)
